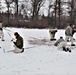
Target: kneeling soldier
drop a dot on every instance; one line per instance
(18, 45)
(52, 34)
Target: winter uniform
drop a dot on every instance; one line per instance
(52, 34)
(69, 34)
(18, 45)
(59, 41)
(1, 32)
(61, 44)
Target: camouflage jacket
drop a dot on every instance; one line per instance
(68, 31)
(19, 42)
(58, 41)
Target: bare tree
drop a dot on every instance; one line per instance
(71, 11)
(8, 2)
(24, 8)
(51, 5)
(74, 16)
(57, 10)
(0, 11)
(36, 5)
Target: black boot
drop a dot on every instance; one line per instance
(72, 44)
(22, 50)
(3, 40)
(64, 49)
(68, 40)
(68, 49)
(52, 39)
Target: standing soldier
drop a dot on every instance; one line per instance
(1, 31)
(18, 45)
(69, 34)
(74, 30)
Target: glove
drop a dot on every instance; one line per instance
(14, 43)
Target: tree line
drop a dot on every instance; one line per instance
(38, 13)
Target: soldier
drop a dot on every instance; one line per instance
(73, 30)
(69, 34)
(1, 31)
(52, 34)
(62, 44)
(18, 45)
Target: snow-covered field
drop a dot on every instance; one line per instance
(41, 58)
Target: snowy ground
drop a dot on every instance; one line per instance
(42, 58)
